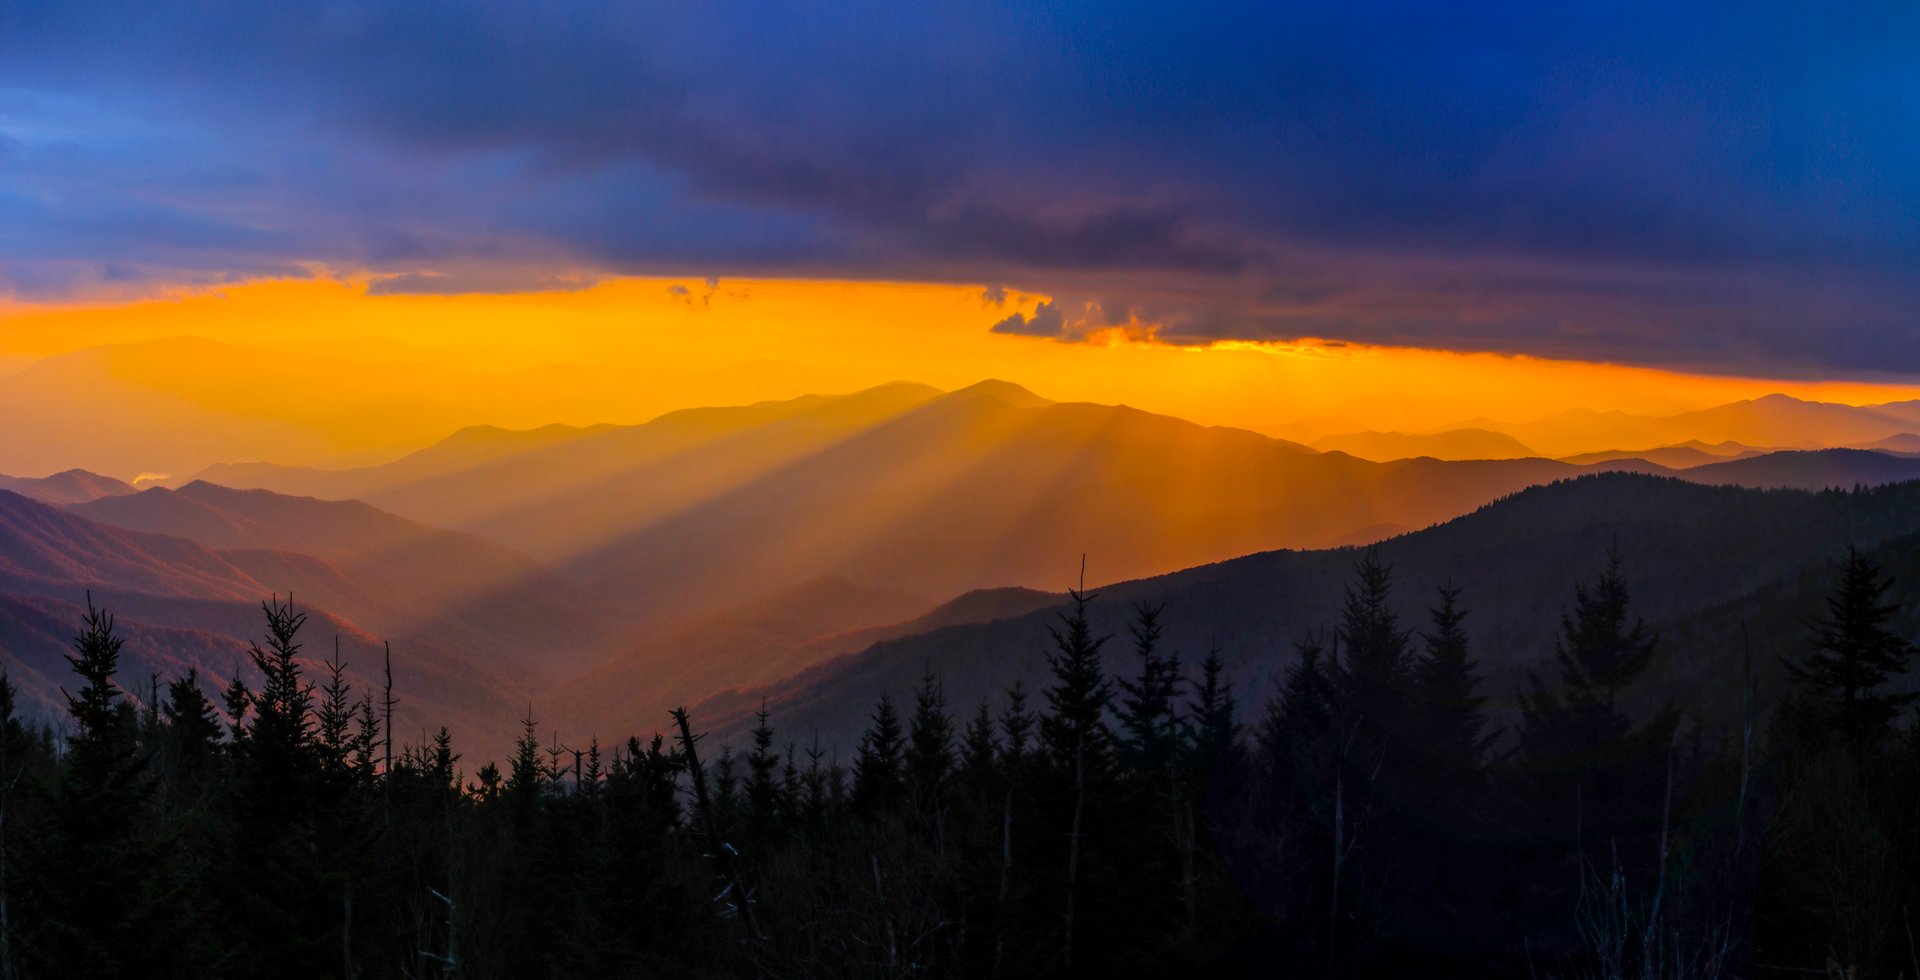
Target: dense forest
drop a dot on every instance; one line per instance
(1370, 821)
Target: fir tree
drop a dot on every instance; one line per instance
(1601, 650)
(1298, 725)
(335, 717)
(1149, 723)
(102, 909)
(929, 754)
(1854, 654)
(526, 777)
(441, 762)
(1448, 727)
(1590, 770)
(1074, 732)
(237, 700)
(878, 779)
(977, 747)
(1016, 724)
(192, 724)
(764, 798)
(1374, 666)
(1215, 732)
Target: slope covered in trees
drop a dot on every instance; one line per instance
(1127, 812)
(1695, 551)
(477, 644)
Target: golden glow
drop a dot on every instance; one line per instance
(359, 373)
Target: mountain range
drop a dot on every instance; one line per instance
(781, 549)
(1703, 562)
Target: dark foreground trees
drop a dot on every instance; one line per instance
(1115, 822)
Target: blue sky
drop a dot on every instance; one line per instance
(1717, 186)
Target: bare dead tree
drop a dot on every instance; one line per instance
(388, 700)
(450, 960)
(719, 851)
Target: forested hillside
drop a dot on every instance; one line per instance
(1618, 727)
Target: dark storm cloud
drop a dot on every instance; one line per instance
(1712, 185)
(1048, 320)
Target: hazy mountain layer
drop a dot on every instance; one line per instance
(1687, 549)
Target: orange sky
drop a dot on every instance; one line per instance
(628, 349)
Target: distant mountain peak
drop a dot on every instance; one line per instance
(1005, 391)
(67, 487)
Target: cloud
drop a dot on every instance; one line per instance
(1047, 320)
(472, 281)
(1708, 184)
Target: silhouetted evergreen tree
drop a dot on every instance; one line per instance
(1016, 724)
(1854, 655)
(1149, 723)
(766, 802)
(1074, 733)
(102, 902)
(1448, 723)
(1215, 730)
(929, 758)
(1593, 780)
(879, 779)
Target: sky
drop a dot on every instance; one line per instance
(1478, 193)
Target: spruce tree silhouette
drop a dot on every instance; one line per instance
(878, 778)
(104, 905)
(1854, 654)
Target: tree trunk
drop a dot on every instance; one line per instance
(346, 930)
(1006, 872)
(1073, 840)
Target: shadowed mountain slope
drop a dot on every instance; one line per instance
(466, 659)
(566, 495)
(66, 487)
(1686, 547)
(1813, 469)
(388, 572)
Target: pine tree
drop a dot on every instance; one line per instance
(17, 751)
(282, 796)
(814, 792)
(280, 737)
(192, 724)
(978, 750)
(878, 779)
(366, 738)
(101, 908)
(526, 777)
(237, 700)
(334, 719)
(440, 767)
(1215, 732)
(765, 802)
(1079, 753)
(1016, 724)
(1854, 655)
(1298, 725)
(1074, 732)
(1373, 670)
(1590, 770)
(1599, 654)
(929, 754)
(1148, 719)
(1448, 727)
